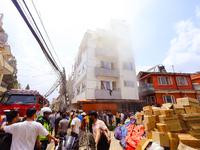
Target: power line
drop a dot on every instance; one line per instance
(51, 59)
(46, 32)
(42, 82)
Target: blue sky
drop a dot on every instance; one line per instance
(163, 32)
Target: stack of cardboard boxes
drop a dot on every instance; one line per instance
(174, 126)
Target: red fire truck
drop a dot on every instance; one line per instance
(21, 100)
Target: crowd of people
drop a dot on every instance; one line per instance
(29, 134)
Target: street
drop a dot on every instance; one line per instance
(114, 144)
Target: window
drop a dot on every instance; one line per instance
(127, 66)
(105, 85)
(114, 85)
(149, 80)
(83, 86)
(84, 67)
(129, 83)
(78, 90)
(106, 64)
(169, 99)
(198, 97)
(153, 99)
(143, 82)
(181, 81)
(164, 80)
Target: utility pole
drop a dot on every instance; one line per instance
(64, 86)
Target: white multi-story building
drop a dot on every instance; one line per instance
(104, 70)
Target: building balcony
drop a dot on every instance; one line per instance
(5, 68)
(106, 94)
(99, 71)
(4, 37)
(105, 52)
(196, 86)
(147, 87)
(7, 51)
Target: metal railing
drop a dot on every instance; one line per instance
(147, 86)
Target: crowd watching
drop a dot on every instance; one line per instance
(36, 132)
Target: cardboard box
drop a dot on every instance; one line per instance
(164, 119)
(189, 140)
(182, 146)
(172, 136)
(143, 144)
(168, 105)
(138, 115)
(174, 126)
(179, 111)
(166, 112)
(196, 135)
(174, 144)
(178, 106)
(148, 112)
(195, 129)
(190, 110)
(183, 125)
(162, 127)
(149, 119)
(187, 101)
(149, 126)
(162, 137)
(193, 123)
(139, 120)
(190, 117)
(147, 108)
(156, 112)
(142, 113)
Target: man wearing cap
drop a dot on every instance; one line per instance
(76, 123)
(46, 122)
(84, 124)
(24, 134)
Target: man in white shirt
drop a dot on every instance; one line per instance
(24, 134)
(76, 125)
(122, 118)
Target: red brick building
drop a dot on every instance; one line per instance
(166, 87)
(196, 78)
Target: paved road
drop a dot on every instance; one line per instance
(114, 144)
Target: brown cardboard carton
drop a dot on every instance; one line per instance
(162, 137)
(190, 110)
(180, 111)
(142, 113)
(178, 106)
(156, 112)
(162, 127)
(183, 125)
(182, 146)
(143, 144)
(174, 126)
(138, 115)
(147, 108)
(149, 119)
(166, 112)
(164, 119)
(149, 126)
(190, 117)
(168, 105)
(148, 112)
(195, 129)
(174, 144)
(187, 101)
(193, 123)
(189, 140)
(139, 120)
(196, 135)
(172, 135)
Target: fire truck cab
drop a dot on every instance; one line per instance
(21, 100)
